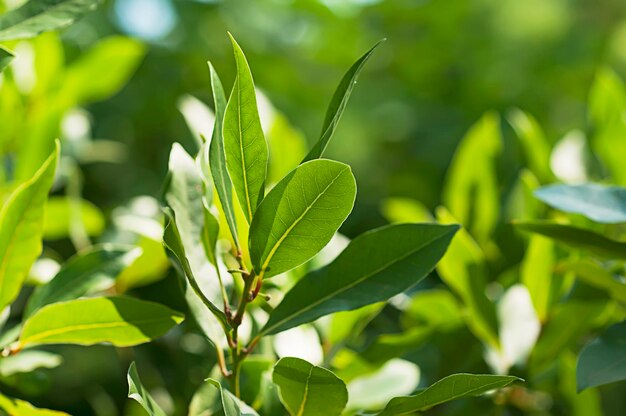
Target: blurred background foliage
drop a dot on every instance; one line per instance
(123, 83)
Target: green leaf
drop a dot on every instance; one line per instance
(595, 275)
(16, 407)
(449, 388)
(227, 403)
(300, 215)
(21, 228)
(577, 238)
(399, 210)
(119, 321)
(244, 142)
(93, 269)
(308, 390)
(6, 57)
(599, 203)
(27, 361)
(537, 274)
(471, 191)
(217, 158)
(603, 360)
(138, 392)
(402, 254)
(63, 213)
(464, 270)
(37, 16)
(338, 104)
(534, 142)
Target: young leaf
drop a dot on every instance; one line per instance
(308, 390)
(119, 321)
(5, 58)
(95, 268)
(449, 388)
(603, 360)
(37, 16)
(137, 392)
(217, 158)
(228, 404)
(599, 203)
(338, 104)
(300, 215)
(577, 238)
(537, 274)
(21, 228)
(374, 267)
(244, 142)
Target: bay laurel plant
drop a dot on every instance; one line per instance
(246, 252)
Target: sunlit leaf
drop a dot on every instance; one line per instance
(21, 229)
(27, 361)
(119, 321)
(62, 213)
(308, 390)
(300, 215)
(244, 142)
(374, 267)
(537, 274)
(138, 392)
(399, 210)
(536, 146)
(16, 407)
(6, 57)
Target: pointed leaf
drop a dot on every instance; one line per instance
(338, 104)
(217, 157)
(577, 238)
(300, 216)
(37, 16)
(21, 228)
(449, 388)
(308, 390)
(374, 267)
(6, 57)
(93, 269)
(228, 404)
(137, 392)
(599, 203)
(244, 142)
(536, 146)
(603, 360)
(119, 321)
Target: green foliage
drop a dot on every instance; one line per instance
(5, 58)
(138, 392)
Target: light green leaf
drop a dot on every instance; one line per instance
(300, 215)
(338, 104)
(308, 390)
(227, 404)
(63, 212)
(149, 267)
(21, 228)
(216, 158)
(244, 142)
(536, 146)
(576, 237)
(603, 360)
(16, 407)
(449, 388)
(37, 16)
(93, 269)
(537, 274)
(138, 392)
(119, 321)
(6, 57)
(288, 146)
(595, 275)
(402, 254)
(471, 191)
(27, 361)
(463, 268)
(399, 210)
(599, 203)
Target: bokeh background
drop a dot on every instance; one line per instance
(444, 64)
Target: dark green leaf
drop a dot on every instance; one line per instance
(217, 157)
(603, 360)
(37, 16)
(21, 229)
(374, 267)
(300, 215)
(449, 388)
(338, 104)
(120, 321)
(605, 204)
(308, 390)
(244, 142)
(5, 58)
(577, 238)
(137, 392)
(91, 270)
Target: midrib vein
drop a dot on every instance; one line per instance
(241, 149)
(295, 223)
(345, 288)
(306, 392)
